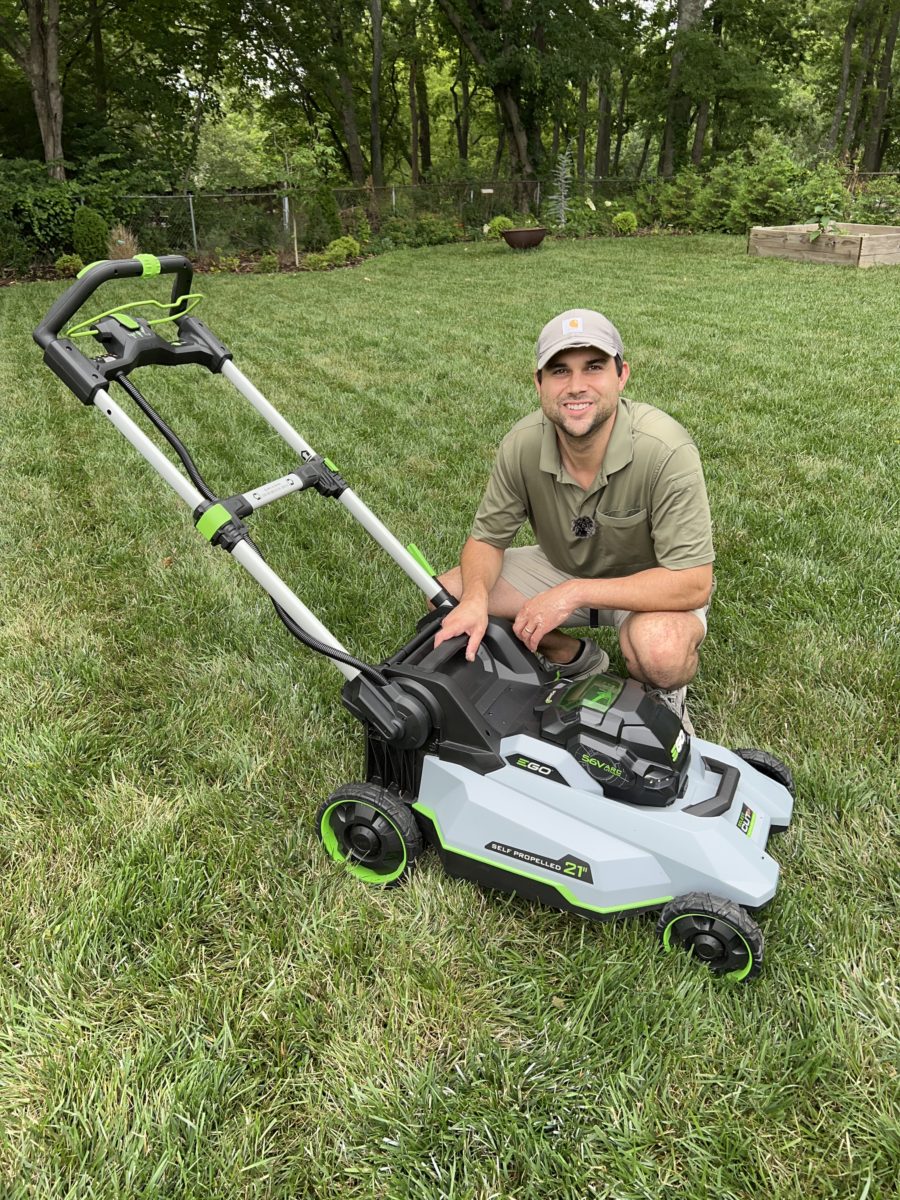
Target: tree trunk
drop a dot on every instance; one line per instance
(872, 156)
(582, 131)
(700, 132)
(424, 123)
(413, 125)
(849, 138)
(505, 95)
(38, 60)
(347, 104)
(679, 105)
(461, 109)
(99, 73)
(646, 150)
(620, 123)
(375, 11)
(501, 144)
(604, 131)
(846, 57)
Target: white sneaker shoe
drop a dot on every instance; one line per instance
(676, 700)
(590, 660)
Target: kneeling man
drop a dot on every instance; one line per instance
(614, 493)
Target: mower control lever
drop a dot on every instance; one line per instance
(102, 272)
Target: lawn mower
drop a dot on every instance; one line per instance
(588, 796)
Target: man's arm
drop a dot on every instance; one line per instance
(658, 589)
(480, 564)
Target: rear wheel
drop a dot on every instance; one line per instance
(767, 764)
(717, 932)
(371, 831)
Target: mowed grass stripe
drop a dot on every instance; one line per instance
(194, 1001)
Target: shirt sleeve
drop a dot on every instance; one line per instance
(680, 523)
(503, 508)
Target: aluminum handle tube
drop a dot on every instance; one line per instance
(246, 555)
(154, 456)
(293, 606)
(376, 528)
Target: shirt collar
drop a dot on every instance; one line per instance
(619, 452)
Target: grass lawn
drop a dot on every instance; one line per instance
(194, 1001)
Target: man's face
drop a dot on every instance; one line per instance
(579, 390)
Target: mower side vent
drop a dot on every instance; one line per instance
(391, 767)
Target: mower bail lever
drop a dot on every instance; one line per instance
(83, 288)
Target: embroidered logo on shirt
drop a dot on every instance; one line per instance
(583, 527)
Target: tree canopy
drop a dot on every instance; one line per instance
(376, 91)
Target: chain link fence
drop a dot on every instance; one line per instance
(253, 221)
(235, 222)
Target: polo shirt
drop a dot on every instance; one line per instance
(648, 501)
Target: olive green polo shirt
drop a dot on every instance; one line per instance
(648, 501)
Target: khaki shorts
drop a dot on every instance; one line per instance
(529, 571)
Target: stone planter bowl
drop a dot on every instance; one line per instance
(523, 239)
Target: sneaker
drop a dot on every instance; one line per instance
(676, 700)
(590, 660)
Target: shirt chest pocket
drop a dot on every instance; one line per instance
(625, 540)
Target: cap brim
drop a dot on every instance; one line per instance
(575, 342)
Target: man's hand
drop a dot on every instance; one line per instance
(469, 616)
(542, 614)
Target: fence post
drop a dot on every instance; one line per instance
(285, 210)
(190, 200)
(393, 199)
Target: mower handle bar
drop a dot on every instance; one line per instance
(83, 288)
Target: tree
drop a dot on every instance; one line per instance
(678, 105)
(34, 43)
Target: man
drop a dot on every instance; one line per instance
(615, 496)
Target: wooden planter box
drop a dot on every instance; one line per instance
(849, 246)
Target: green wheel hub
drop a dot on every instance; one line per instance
(717, 932)
(371, 831)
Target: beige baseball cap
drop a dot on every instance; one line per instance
(578, 327)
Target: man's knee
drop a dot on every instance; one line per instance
(662, 648)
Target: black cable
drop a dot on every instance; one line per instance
(169, 434)
(199, 483)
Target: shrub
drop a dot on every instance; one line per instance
(69, 264)
(496, 225)
(355, 224)
(822, 189)
(625, 222)
(90, 234)
(320, 219)
(316, 262)
(122, 243)
(676, 199)
(266, 265)
(766, 188)
(16, 251)
(340, 250)
(224, 262)
(878, 203)
(712, 208)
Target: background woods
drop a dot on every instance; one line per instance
(373, 94)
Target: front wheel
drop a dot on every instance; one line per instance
(770, 766)
(371, 831)
(717, 932)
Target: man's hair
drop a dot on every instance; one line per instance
(618, 358)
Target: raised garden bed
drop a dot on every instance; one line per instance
(848, 245)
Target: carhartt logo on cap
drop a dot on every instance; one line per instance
(573, 325)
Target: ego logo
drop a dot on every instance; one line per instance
(528, 764)
(533, 767)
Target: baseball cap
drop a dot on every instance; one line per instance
(578, 327)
